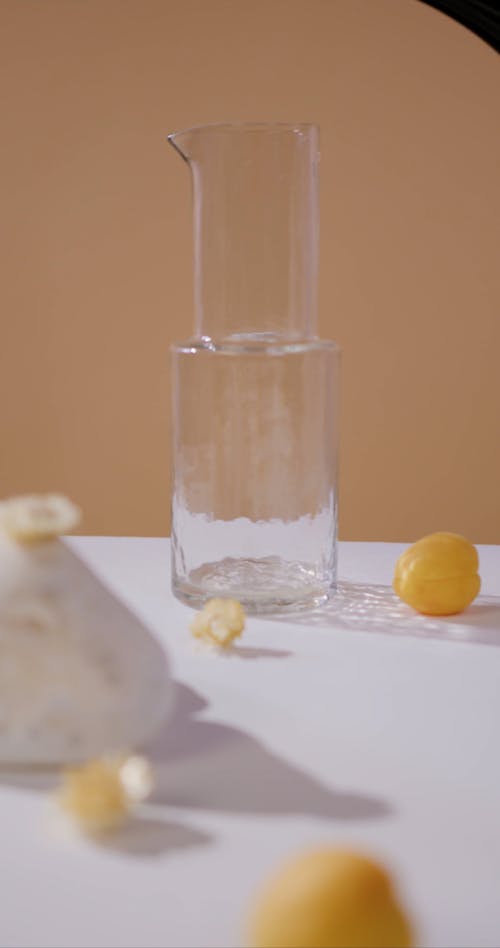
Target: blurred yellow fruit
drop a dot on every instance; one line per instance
(36, 518)
(330, 899)
(94, 796)
(438, 574)
(219, 622)
(100, 794)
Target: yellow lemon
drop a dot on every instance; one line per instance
(438, 574)
(329, 898)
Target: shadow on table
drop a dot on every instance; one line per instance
(370, 608)
(207, 765)
(145, 836)
(251, 653)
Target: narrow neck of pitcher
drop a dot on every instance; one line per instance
(255, 205)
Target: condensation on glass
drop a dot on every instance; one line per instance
(255, 392)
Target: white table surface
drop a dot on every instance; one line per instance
(367, 726)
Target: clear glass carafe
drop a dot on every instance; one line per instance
(255, 392)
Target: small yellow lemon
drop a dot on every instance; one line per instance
(330, 898)
(438, 574)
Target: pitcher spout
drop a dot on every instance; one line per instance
(255, 209)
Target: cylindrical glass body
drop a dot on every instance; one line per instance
(255, 393)
(255, 208)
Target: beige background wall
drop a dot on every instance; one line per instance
(95, 256)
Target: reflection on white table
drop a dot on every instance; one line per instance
(362, 724)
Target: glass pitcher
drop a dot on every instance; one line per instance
(255, 392)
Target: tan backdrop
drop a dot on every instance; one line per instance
(95, 250)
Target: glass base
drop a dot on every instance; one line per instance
(266, 585)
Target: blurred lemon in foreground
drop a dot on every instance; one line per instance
(438, 574)
(329, 899)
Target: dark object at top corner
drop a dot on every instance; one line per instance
(480, 16)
